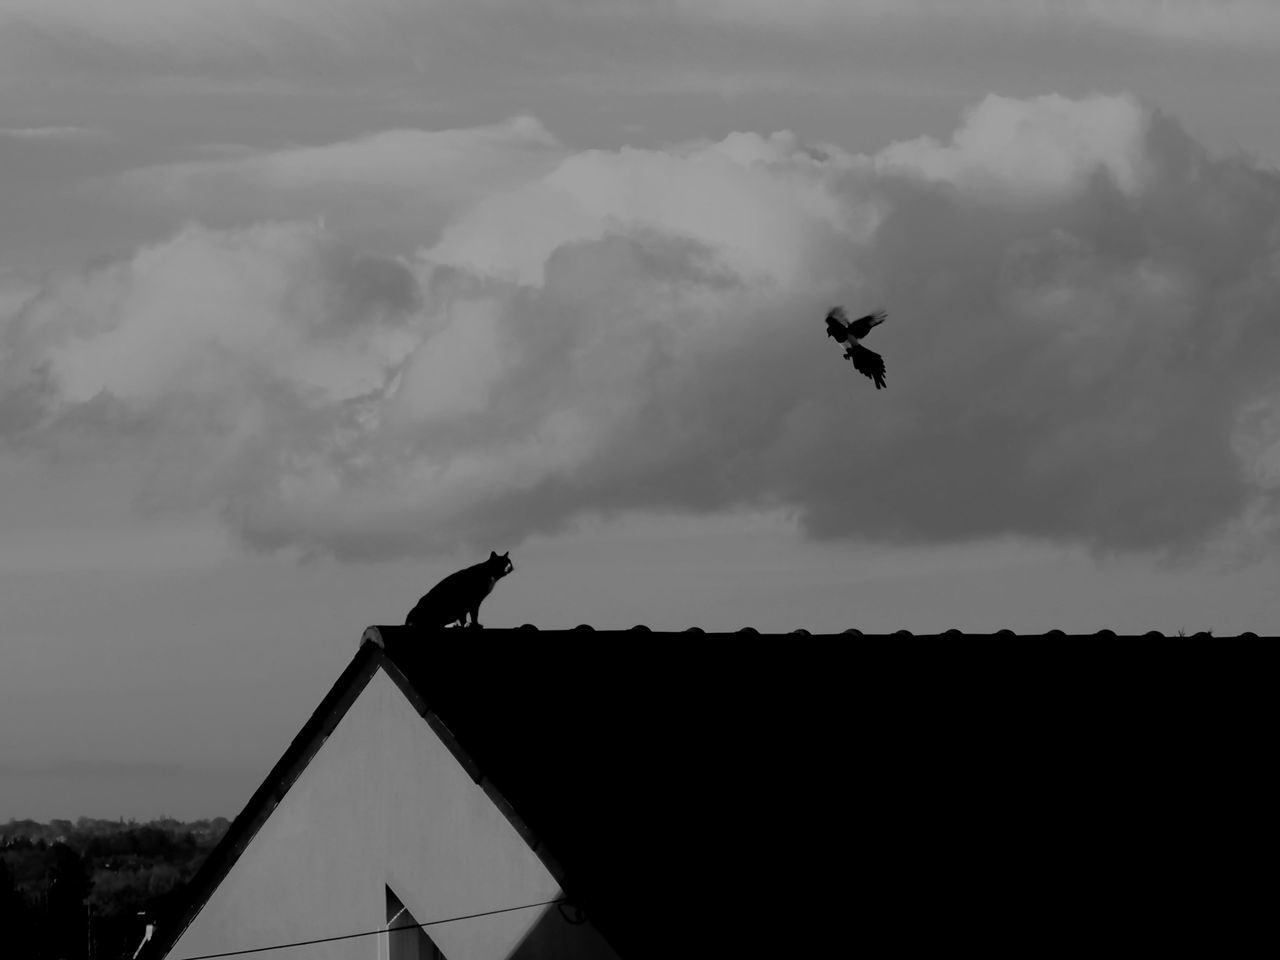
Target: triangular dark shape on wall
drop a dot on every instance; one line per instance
(407, 944)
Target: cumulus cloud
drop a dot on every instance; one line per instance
(404, 183)
(1045, 148)
(696, 192)
(1082, 347)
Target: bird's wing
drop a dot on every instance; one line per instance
(838, 324)
(862, 326)
(866, 362)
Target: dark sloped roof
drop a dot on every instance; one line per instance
(661, 775)
(705, 794)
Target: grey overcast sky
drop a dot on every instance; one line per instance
(306, 303)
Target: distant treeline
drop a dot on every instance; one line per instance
(85, 890)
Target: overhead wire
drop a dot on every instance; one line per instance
(371, 933)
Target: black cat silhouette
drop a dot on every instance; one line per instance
(460, 594)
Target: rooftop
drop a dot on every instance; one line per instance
(755, 792)
(854, 632)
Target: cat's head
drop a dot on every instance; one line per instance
(500, 563)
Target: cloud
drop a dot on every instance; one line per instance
(402, 182)
(696, 191)
(1081, 348)
(228, 30)
(50, 133)
(196, 25)
(731, 48)
(1045, 148)
(1240, 23)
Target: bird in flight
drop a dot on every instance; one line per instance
(866, 362)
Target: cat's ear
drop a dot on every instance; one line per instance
(492, 555)
(507, 555)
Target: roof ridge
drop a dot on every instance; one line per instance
(379, 634)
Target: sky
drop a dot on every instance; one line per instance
(306, 303)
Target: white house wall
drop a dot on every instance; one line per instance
(383, 802)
